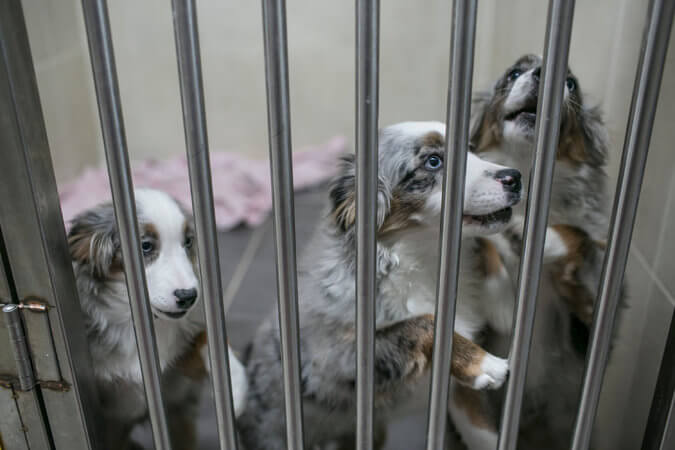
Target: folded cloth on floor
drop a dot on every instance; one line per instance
(241, 187)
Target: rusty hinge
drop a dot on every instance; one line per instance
(12, 382)
(32, 304)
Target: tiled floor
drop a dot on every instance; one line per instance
(248, 271)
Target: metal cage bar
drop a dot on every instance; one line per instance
(636, 148)
(547, 130)
(114, 139)
(456, 145)
(367, 104)
(279, 130)
(196, 141)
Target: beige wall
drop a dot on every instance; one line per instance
(414, 62)
(55, 31)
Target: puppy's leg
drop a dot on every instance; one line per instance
(403, 351)
(474, 367)
(473, 418)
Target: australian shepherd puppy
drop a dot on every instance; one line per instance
(167, 243)
(411, 157)
(503, 132)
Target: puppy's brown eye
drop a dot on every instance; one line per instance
(571, 84)
(515, 73)
(147, 247)
(189, 240)
(433, 162)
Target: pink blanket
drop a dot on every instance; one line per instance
(241, 187)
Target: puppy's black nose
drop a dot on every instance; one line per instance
(536, 73)
(186, 297)
(510, 178)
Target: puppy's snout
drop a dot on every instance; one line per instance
(510, 179)
(536, 73)
(186, 297)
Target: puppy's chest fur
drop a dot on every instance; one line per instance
(112, 337)
(409, 289)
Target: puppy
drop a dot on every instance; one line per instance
(503, 131)
(167, 243)
(410, 178)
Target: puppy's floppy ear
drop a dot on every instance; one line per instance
(93, 241)
(343, 196)
(484, 127)
(584, 138)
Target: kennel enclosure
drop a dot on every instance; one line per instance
(47, 389)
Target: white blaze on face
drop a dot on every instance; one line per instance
(483, 194)
(172, 269)
(520, 91)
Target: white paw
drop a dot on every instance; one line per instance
(494, 373)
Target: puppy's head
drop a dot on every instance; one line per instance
(166, 243)
(410, 183)
(507, 115)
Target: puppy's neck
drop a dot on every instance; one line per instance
(111, 333)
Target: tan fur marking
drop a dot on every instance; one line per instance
(80, 245)
(400, 213)
(491, 262)
(473, 403)
(421, 330)
(149, 229)
(191, 363)
(565, 276)
(572, 237)
(433, 139)
(466, 359)
(345, 212)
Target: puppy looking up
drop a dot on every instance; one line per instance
(503, 131)
(411, 159)
(167, 243)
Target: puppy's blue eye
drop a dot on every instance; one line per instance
(147, 247)
(571, 84)
(515, 73)
(433, 162)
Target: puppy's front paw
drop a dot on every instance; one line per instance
(493, 373)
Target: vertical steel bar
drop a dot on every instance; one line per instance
(196, 141)
(457, 142)
(110, 112)
(636, 147)
(367, 104)
(279, 130)
(17, 340)
(661, 415)
(547, 130)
